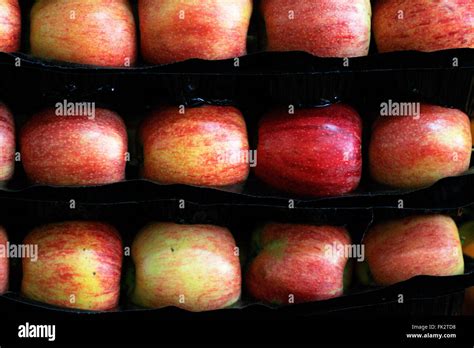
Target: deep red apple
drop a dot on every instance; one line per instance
(325, 28)
(194, 267)
(174, 31)
(96, 32)
(400, 249)
(78, 266)
(315, 152)
(299, 263)
(7, 143)
(415, 152)
(10, 25)
(4, 263)
(423, 25)
(74, 150)
(205, 146)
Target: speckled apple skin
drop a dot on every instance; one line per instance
(313, 152)
(74, 150)
(4, 264)
(188, 148)
(10, 26)
(325, 28)
(174, 31)
(400, 249)
(423, 25)
(294, 260)
(410, 153)
(93, 32)
(7, 143)
(79, 258)
(198, 262)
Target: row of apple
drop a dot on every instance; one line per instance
(78, 264)
(309, 152)
(103, 32)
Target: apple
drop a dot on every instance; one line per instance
(469, 301)
(74, 150)
(472, 131)
(415, 152)
(297, 263)
(174, 31)
(205, 146)
(94, 32)
(400, 249)
(193, 267)
(466, 232)
(423, 25)
(79, 266)
(4, 263)
(313, 152)
(325, 28)
(7, 143)
(10, 26)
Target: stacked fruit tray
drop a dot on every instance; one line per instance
(237, 159)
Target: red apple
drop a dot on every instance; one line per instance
(10, 26)
(423, 25)
(78, 266)
(4, 262)
(174, 31)
(299, 263)
(400, 249)
(193, 267)
(315, 152)
(7, 143)
(325, 28)
(96, 32)
(415, 152)
(205, 146)
(74, 150)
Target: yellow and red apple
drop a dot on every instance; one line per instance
(93, 32)
(415, 152)
(4, 263)
(174, 31)
(74, 150)
(313, 152)
(400, 249)
(79, 266)
(297, 263)
(10, 26)
(325, 28)
(423, 25)
(7, 143)
(203, 146)
(193, 267)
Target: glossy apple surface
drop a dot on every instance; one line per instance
(325, 28)
(400, 249)
(7, 143)
(4, 263)
(74, 150)
(174, 31)
(466, 233)
(299, 263)
(193, 267)
(93, 32)
(313, 152)
(410, 152)
(423, 25)
(200, 147)
(78, 266)
(10, 26)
